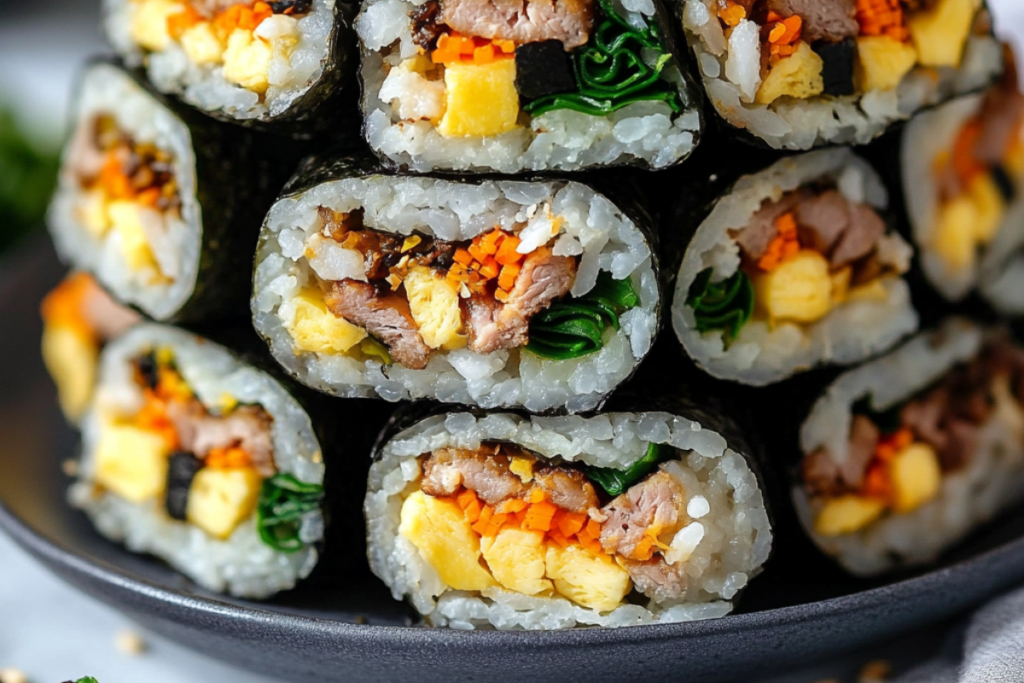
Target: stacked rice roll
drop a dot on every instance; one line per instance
(904, 456)
(539, 294)
(159, 203)
(515, 522)
(797, 74)
(482, 86)
(963, 172)
(247, 61)
(200, 459)
(794, 267)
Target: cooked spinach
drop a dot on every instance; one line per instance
(616, 482)
(725, 305)
(283, 502)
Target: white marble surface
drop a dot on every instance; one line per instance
(49, 631)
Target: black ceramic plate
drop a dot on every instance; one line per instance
(802, 608)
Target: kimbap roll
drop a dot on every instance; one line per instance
(161, 204)
(200, 459)
(494, 293)
(797, 74)
(794, 267)
(508, 522)
(285, 64)
(963, 172)
(79, 318)
(477, 85)
(906, 455)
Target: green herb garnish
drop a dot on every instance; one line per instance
(725, 305)
(284, 500)
(616, 482)
(611, 72)
(574, 327)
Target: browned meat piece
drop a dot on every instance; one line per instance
(484, 471)
(1001, 116)
(859, 240)
(924, 417)
(823, 476)
(523, 21)
(655, 503)
(543, 278)
(961, 444)
(426, 24)
(822, 220)
(829, 20)
(247, 427)
(657, 579)
(760, 231)
(385, 316)
(566, 488)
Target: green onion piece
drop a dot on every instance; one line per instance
(283, 502)
(611, 71)
(725, 305)
(616, 482)
(574, 327)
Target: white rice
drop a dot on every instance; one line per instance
(242, 565)
(449, 210)
(294, 69)
(648, 133)
(105, 89)
(851, 332)
(990, 482)
(736, 542)
(731, 74)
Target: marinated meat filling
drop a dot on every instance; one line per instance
(521, 21)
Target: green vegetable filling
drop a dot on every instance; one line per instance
(616, 482)
(284, 500)
(574, 327)
(611, 71)
(725, 306)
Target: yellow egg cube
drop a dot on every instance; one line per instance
(221, 499)
(148, 23)
(847, 514)
(202, 45)
(91, 212)
(990, 207)
(131, 462)
(481, 99)
(71, 357)
(799, 289)
(316, 330)
(434, 304)
(953, 239)
(439, 530)
(587, 579)
(517, 560)
(883, 62)
(916, 477)
(798, 76)
(247, 61)
(125, 220)
(940, 33)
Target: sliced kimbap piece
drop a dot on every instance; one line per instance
(200, 459)
(797, 74)
(511, 522)
(282, 64)
(538, 294)
(161, 204)
(79, 318)
(906, 455)
(794, 267)
(474, 85)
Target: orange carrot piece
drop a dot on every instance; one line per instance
(227, 457)
(512, 506)
(463, 257)
(66, 303)
(477, 252)
(594, 528)
(559, 538)
(484, 520)
(507, 254)
(507, 279)
(538, 517)
(537, 495)
(182, 21)
(570, 523)
(489, 268)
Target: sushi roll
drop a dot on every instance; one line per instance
(794, 267)
(194, 456)
(284, 65)
(510, 522)
(79, 318)
(906, 455)
(963, 172)
(161, 204)
(472, 85)
(797, 74)
(492, 293)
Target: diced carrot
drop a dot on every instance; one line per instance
(182, 21)
(65, 305)
(507, 254)
(227, 21)
(462, 256)
(472, 511)
(538, 517)
(794, 26)
(489, 268)
(149, 197)
(501, 295)
(537, 495)
(113, 180)
(558, 538)
(777, 33)
(882, 17)
(477, 252)
(484, 520)
(774, 16)
(509, 273)
(489, 241)
(732, 14)
(506, 46)
(783, 245)
(227, 457)
(512, 506)
(570, 523)
(876, 483)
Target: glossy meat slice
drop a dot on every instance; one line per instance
(828, 20)
(485, 471)
(522, 21)
(656, 578)
(651, 507)
(247, 427)
(566, 488)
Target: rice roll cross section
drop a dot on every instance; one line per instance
(499, 293)
(906, 455)
(477, 85)
(507, 522)
(203, 461)
(240, 60)
(797, 74)
(794, 267)
(79, 318)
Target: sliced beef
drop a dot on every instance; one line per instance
(860, 238)
(760, 231)
(823, 219)
(494, 326)
(247, 427)
(485, 471)
(426, 24)
(524, 21)
(657, 579)
(828, 20)
(1001, 116)
(385, 316)
(566, 488)
(656, 503)
(823, 476)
